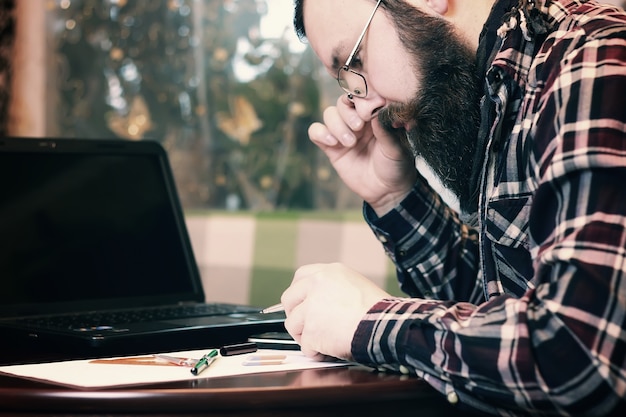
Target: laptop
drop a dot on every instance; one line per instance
(95, 257)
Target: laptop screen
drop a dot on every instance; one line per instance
(91, 228)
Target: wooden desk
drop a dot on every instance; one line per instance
(315, 392)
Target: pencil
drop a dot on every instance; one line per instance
(273, 309)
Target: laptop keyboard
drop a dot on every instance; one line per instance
(110, 319)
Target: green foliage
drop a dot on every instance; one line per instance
(166, 70)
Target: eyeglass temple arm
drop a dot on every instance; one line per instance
(361, 36)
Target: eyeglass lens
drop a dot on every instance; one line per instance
(352, 82)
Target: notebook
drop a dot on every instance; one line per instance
(92, 227)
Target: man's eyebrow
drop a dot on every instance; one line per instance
(337, 61)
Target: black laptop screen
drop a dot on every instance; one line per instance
(85, 227)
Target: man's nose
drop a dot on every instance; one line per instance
(368, 107)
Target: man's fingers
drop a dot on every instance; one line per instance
(390, 143)
(294, 323)
(307, 270)
(321, 136)
(349, 115)
(313, 354)
(338, 126)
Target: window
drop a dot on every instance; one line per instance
(224, 85)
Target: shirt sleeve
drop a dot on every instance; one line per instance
(561, 347)
(435, 254)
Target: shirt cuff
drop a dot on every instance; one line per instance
(381, 339)
(396, 226)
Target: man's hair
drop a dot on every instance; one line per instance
(298, 19)
(537, 24)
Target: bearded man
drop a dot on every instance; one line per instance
(517, 297)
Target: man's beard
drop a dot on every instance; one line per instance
(444, 115)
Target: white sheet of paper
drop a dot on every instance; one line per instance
(86, 374)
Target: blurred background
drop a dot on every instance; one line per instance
(229, 91)
(224, 85)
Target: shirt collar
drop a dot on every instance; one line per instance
(489, 36)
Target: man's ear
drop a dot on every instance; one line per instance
(439, 7)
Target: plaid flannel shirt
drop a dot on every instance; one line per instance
(525, 310)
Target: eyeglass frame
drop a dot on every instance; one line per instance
(346, 67)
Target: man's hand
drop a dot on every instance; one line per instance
(324, 306)
(369, 160)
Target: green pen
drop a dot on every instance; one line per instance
(204, 362)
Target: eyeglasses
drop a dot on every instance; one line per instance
(349, 80)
